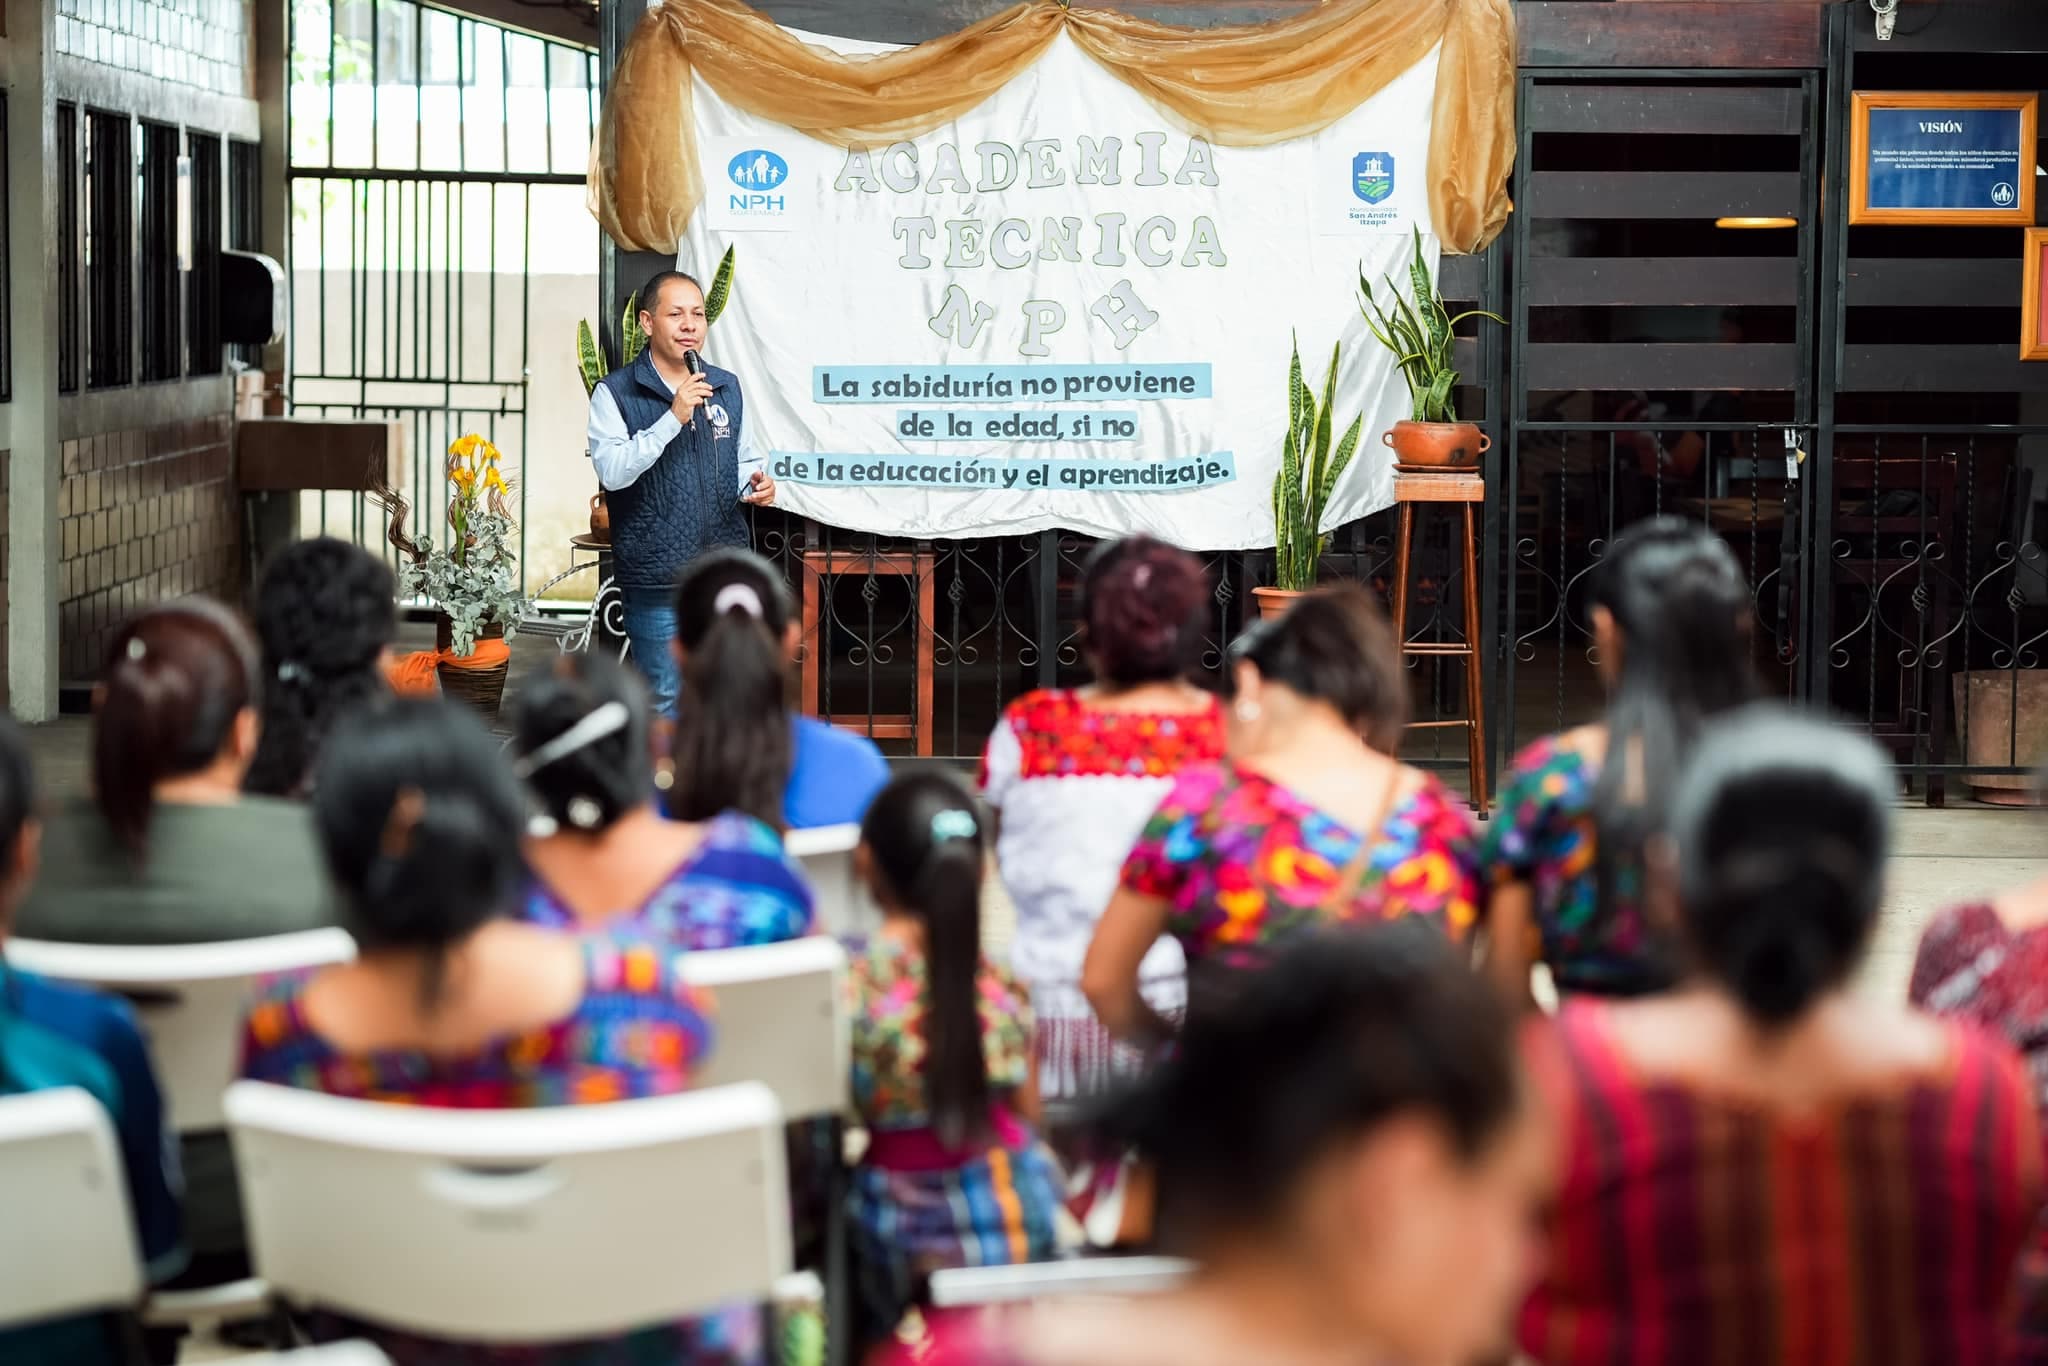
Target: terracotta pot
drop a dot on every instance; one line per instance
(600, 518)
(1274, 602)
(1442, 445)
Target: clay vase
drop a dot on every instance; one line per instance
(600, 518)
(1274, 602)
(1437, 445)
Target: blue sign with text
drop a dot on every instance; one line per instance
(1946, 159)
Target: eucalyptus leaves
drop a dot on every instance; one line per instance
(475, 580)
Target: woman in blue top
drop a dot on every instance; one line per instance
(737, 744)
(600, 851)
(52, 1035)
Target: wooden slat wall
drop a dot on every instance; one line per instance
(1725, 33)
(1579, 108)
(1922, 283)
(1660, 194)
(1658, 365)
(1660, 281)
(1941, 369)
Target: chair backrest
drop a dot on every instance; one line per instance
(845, 910)
(781, 1021)
(514, 1226)
(189, 1000)
(71, 1243)
(968, 1286)
(333, 1354)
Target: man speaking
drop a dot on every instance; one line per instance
(668, 437)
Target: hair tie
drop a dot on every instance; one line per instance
(953, 824)
(291, 671)
(607, 719)
(1141, 579)
(740, 595)
(406, 810)
(136, 649)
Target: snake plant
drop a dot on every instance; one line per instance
(1308, 474)
(1419, 335)
(591, 363)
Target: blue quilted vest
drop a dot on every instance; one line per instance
(688, 502)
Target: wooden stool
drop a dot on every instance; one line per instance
(820, 566)
(1468, 489)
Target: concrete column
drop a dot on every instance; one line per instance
(273, 58)
(35, 458)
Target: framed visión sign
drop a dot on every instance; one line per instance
(2034, 307)
(1928, 157)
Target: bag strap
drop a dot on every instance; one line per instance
(1358, 874)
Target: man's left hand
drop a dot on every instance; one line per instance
(760, 489)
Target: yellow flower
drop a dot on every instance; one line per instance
(490, 452)
(464, 480)
(494, 481)
(465, 446)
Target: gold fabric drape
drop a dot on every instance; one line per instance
(1238, 87)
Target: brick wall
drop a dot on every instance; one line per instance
(144, 515)
(203, 43)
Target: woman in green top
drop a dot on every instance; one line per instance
(168, 850)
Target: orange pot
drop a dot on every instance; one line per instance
(1274, 602)
(600, 518)
(1442, 445)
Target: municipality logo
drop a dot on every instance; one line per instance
(757, 170)
(1372, 176)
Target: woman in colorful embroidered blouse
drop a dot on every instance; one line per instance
(1768, 1166)
(942, 1074)
(1564, 850)
(1308, 821)
(450, 1004)
(1073, 774)
(1986, 963)
(602, 855)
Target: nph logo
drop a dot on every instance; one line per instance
(758, 173)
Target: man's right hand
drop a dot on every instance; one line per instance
(694, 392)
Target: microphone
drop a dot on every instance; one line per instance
(694, 363)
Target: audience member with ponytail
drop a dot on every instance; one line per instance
(601, 853)
(1670, 612)
(1767, 1165)
(169, 850)
(1307, 821)
(942, 1063)
(737, 744)
(326, 612)
(1073, 775)
(1346, 1151)
(451, 1001)
(56, 1035)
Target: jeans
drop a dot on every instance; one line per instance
(651, 627)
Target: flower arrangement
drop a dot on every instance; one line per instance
(473, 581)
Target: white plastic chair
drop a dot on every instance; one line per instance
(71, 1247)
(982, 1285)
(513, 1226)
(845, 910)
(189, 1000)
(781, 1021)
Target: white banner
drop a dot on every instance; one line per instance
(1057, 311)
